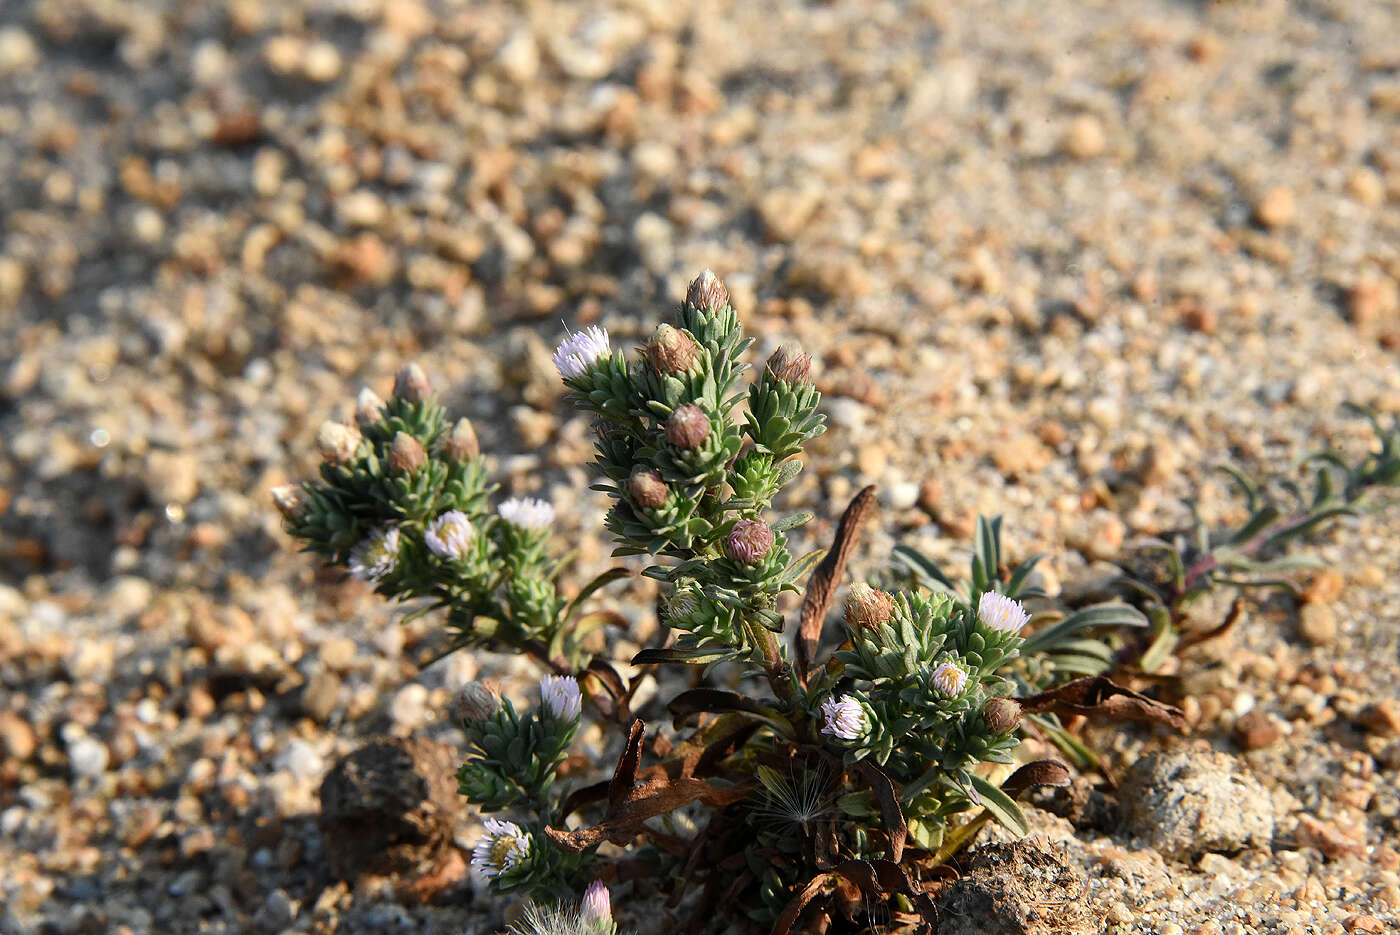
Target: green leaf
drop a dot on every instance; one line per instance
(925, 570)
(1001, 806)
(1111, 614)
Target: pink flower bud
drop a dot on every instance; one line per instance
(706, 291)
(688, 427)
(647, 488)
(867, 607)
(368, 407)
(1001, 714)
(337, 442)
(749, 541)
(789, 365)
(671, 351)
(462, 444)
(411, 384)
(290, 500)
(406, 454)
(596, 908)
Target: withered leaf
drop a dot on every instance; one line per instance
(827, 577)
(1039, 773)
(1098, 698)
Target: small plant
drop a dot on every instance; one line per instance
(856, 759)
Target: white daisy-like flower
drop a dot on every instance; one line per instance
(527, 513)
(561, 696)
(949, 679)
(1000, 612)
(376, 556)
(504, 846)
(450, 535)
(579, 351)
(845, 718)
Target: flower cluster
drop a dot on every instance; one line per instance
(902, 723)
(690, 483)
(401, 504)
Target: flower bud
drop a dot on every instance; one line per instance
(647, 488)
(1001, 714)
(670, 350)
(706, 291)
(462, 444)
(337, 442)
(290, 500)
(406, 454)
(411, 384)
(369, 408)
(867, 607)
(688, 427)
(749, 541)
(789, 364)
(474, 702)
(596, 908)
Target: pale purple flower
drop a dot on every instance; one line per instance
(377, 556)
(596, 908)
(845, 718)
(1000, 612)
(949, 679)
(579, 351)
(561, 696)
(749, 541)
(527, 513)
(504, 845)
(450, 535)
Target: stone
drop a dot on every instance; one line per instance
(1256, 730)
(1317, 624)
(18, 51)
(1084, 139)
(87, 757)
(1017, 888)
(17, 738)
(321, 696)
(1276, 208)
(390, 807)
(1186, 803)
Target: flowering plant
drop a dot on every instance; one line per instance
(856, 757)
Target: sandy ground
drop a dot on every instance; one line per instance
(1055, 260)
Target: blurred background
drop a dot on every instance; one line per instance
(1053, 258)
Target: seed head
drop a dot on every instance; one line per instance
(377, 556)
(1001, 714)
(647, 488)
(790, 365)
(337, 442)
(561, 697)
(706, 291)
(688, 427)
(867, 607)
(749, 541)
(462, 444)
(504, 845)
(450, 535)
(369, 408)
(474, 703)
(527, 513)
(406, 454)
(844, 718)
(290, 500)
(411, 384)
(671, 351)
(578, 352)
(1001, 613)
(949, 679)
